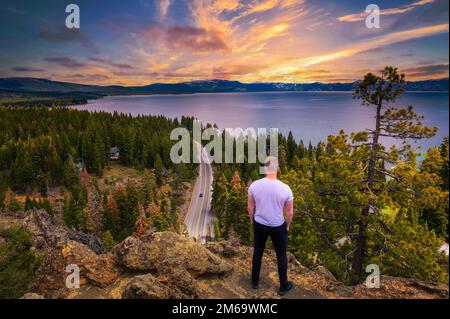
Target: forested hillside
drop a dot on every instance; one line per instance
(55, 157)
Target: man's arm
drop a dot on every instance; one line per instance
(250, 207)
(289, 206)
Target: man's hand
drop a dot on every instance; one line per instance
(289, 206)
(250, 207)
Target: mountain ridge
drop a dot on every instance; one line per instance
(39, 85)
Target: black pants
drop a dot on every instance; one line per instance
(279, 236)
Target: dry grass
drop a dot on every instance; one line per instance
(22, 198)
(117, 173)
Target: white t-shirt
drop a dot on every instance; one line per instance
(270, 196)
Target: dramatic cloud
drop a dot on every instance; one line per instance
(194, 39)
(187, 38)
(378, 42)
(65, 62)
(392, 11)
(152, 31)
(227, 71)
(26, 69)
(246, 40)
(111, 63)
(63, 35)
(426, 71)
(86, 77)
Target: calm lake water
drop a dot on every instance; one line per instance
(311, 116)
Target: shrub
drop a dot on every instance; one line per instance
(17, 262)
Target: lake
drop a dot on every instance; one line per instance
(311, 116)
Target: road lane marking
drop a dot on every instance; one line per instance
(190, 211)
(201, 204)
(206, 195)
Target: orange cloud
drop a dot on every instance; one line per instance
(184, 37)
(427, 71)
(375, 43)
(273, 31)
(231, 70)
(194, 39)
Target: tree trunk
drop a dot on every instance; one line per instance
(360, 252)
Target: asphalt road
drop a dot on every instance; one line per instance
(199, 219)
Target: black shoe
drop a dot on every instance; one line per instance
(283, 291)
(255, 286)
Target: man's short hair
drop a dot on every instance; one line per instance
(271, 165)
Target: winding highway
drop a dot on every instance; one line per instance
(199, 218)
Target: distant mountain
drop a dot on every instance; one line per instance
(22, 84)
(429, 85)
(44, 85)
(236, 86)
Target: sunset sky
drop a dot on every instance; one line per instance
(144, 41)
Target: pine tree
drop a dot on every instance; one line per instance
(219, 197)
(10, 201)
(379, 91)
(436, 216)
(291, 147)
(71, 176)
(69, 214)
(237, 209)
(74, 213)
(159, 170)
(148, 187)
(111, 217)
(131, 212)
(42, 183)
(46, 205)
(28, 204)
(142, 223)
(108, 241)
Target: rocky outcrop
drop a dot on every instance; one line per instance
(226, 249)
(50, 239)
(175, 284)
(49, 279)
(175, 260)
(99, 270)
(146, 287)
(167, 265)
(47, 232)
(91, 241)
(166, 250)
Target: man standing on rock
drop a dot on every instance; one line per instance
(270, 196)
